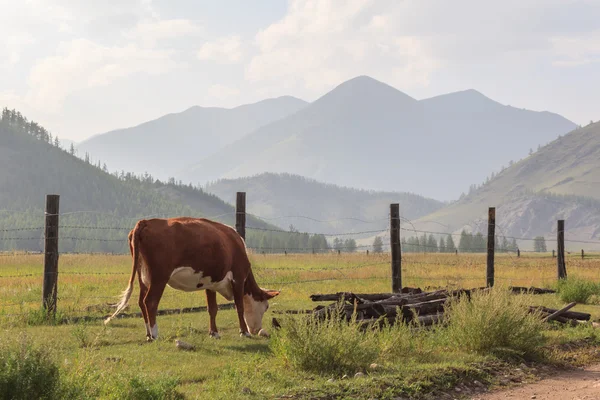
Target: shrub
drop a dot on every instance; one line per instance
(330, 346)
(579, 290)
(28, 373)
(494, 321)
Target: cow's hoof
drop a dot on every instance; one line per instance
(215, 335)
(245, 334)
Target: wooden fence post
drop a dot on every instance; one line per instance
(518, 253)
(582, 254)
(490, 246)
(553, 253)
(395, 248)
(560, 249)
(240, 214)
(50, 287)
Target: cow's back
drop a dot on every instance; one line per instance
(204, 245)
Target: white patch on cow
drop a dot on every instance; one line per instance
(154, 331)
(253, 313)
(144, 273)
(188, 280)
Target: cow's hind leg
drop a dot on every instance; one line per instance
(211, 301)
(151, 302)
(238, 298)
(143, 292)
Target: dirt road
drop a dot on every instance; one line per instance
(572, 385)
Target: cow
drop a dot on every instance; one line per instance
(192, 254)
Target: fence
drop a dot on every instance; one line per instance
(390, 267)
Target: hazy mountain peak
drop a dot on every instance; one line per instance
(363, 94)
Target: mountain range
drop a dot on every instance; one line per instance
(165, 145)
(370, 135)
(363, 133)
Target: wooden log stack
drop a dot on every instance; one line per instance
(415, 306)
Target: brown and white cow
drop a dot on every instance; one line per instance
(192, 254)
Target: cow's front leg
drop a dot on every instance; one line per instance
(238, 298)
(211, 301)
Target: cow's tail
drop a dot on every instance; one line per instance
(134, 241)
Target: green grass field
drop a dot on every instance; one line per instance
(236, 367)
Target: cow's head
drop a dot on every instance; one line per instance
(255, 306)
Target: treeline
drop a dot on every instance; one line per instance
(290, 242)
(468, 243)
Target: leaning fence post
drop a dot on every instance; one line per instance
(560, 249)
(395, 248)
(50, 287)
(240, 214)
(490, 246)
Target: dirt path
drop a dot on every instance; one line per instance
(572, 385)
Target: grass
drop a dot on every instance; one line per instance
(114, 361)
(495, 322)
(579, 290)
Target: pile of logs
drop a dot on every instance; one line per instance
(416, 306)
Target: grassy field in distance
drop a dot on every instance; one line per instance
(88, 283)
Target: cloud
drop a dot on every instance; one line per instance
(226, 50)
(151, 31)
(574, 51)
(319, 43)
(81, 64)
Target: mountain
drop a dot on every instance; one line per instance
(312, 206)
(97, 208)
(559, 181)
(365, 133)
(167, 144)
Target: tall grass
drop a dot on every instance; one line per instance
(329, 346)
(496, 322)
(27, 373)
(579, 290)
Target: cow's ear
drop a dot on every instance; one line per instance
(271, 293)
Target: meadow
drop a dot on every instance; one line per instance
(234, 367)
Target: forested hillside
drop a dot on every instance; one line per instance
(558, 181)
(310, 205)
(97, 208)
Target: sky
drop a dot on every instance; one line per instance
(85, 67)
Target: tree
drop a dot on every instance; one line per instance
(432, 246)
(465, 243)
(539, 244)
(450, 246)
(442, 245)
(530, 151)
(350, 245)
(338, 244)
(479, 243)
(377, 245)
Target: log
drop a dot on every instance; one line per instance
(531, 290)
(428, 320)
(567, 314)
(561, 311)
(427, 307)
(349, 295)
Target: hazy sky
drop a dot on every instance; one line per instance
(85, 67)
